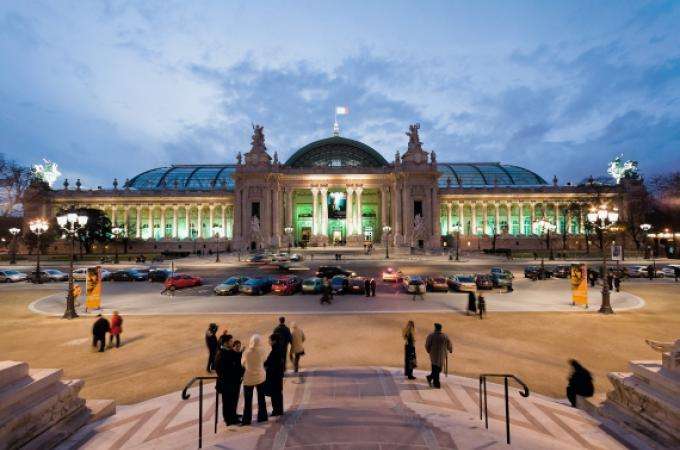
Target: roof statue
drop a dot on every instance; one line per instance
(620, 170)
(415, 153)
(258, 156)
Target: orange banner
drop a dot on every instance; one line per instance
(579, 285)
(93, 288)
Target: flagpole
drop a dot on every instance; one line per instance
(336, 125)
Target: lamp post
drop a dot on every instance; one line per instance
(645, 227)
(289, 233)
(14, 232)
(71, 222)
(38, 227)
(544, 226)
(603, 219)
(117, 232)
(457, 228)
(386, 233)
(216, 233)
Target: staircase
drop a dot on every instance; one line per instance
(38, 409)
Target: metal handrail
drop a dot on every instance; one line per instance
(186, 395)
(483, 406)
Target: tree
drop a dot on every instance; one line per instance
(666, 205)
(14, 179)
(97, 230)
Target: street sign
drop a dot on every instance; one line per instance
(617, 253)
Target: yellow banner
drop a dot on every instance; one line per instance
(579, 285)
(93, 288)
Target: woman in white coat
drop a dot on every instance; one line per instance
(254, 377)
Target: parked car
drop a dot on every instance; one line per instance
(181, 281)
(55, 275)
(463, 283)
(669, 270)
(356, 285)
(641, 272)
(130, 275)
(260, 258)
(534, 272)
(159, 275)
(296, 257)
(287, 285)
(331, 271)
(501, 271)
(256, 286)
(80, 274)
(483, 281)
(391, 274)
(561, 271)
(438, 284)
(12, 276)
(339, 284)
(230, 286)
(313, 285)
(501, 281)
(414, 284)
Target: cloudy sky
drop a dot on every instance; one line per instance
(109, 89)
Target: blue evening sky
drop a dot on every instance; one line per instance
(109, 89)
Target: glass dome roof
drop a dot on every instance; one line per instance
(336, 151)
(202, 177)
(491, 174)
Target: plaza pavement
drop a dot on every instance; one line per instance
(355, 408)
(142, 298)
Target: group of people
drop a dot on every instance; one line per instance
(102, 326)
(438, 346)
(476, 304)
(254, 368)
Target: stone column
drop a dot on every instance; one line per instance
(484, 218)
(138, 224)
(113, 215)
(473, 210)
(497, 219)
(126, 221)
(187, 219)
(211, 217)
(359, 225)
(533, 216)
(349, 213)
(163, 209)
(568, 219)
(508, 208)
(383, 207)
(557, 218)
(223, 220)
(581, 228)
(397, 207)
(448, 218)
(461, 219)
(315, 211)
(174, 221)
(324, 211)
(289, 207)
(199, 219)
(521, 219)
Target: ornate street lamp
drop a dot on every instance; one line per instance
(216, 233)
(603, 219)
(38, 227)
(457, 228)
(289, 233)
(14, 232)
(544, 226)
(116, 232)
(645, 227)
(71, 222)
(386, 233)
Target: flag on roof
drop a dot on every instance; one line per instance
(341, 110)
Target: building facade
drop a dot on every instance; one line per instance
(339, 191)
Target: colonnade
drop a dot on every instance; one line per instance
(320, 209)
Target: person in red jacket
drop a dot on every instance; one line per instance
(116, 329)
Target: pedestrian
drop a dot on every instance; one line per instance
(617, 282)
(438, 346)
(481, 306)
(676, 272)
(610, 281)
(650, 272)
(116, 329)
(580, 382)
(222, 338)
(297, 349)
(409, 335)
(274, 370)
(591, 278)
(373, 286)
(472, 303)
(509, 285)
(211, 343)
(285, 338)
(229, 375)
(253, 379)
(237, 346)
(367, 287)
(99, 329)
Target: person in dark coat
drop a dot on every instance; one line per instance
(99, 329)
(650, 272)
(676, 272)
(481, 306)
(372, 284)
(617, 282)
(610, 281)
(229, 375)
(580, 382)
(211, 343)
(327, 293)
(591, 278)
(367, 287)
(472, 303)
(409, 335)
(438, 345)
(275, 369)
(285, 339)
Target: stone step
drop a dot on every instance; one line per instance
(60, 431)
(37, 412)
(11, 371)
(100, 409)
(620, 423)
(18, 390)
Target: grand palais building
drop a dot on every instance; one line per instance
(338, 191)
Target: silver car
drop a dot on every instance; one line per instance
(12, 276)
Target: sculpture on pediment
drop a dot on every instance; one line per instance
(258, 156)
(415, 153)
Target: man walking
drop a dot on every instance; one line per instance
(367, 287)
(438, 345)
(99, 329)
(372, 287)
(211, 343)
(676, 272)
(285, 338)
(116, 329)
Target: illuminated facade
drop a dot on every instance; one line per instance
(338, 191)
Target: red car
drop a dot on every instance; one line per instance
(180, 281)
(287, 285)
